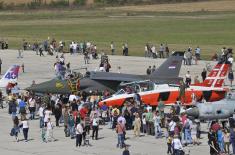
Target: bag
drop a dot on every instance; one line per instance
(12, 133)
(21, 126)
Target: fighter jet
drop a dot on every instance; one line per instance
(222, 109)
(151, 93)
(168, 72)
(10, 76)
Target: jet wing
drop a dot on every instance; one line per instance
(109, 76)
(168, 70)
(87, 84)
(53, 86)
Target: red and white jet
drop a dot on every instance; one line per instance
(151, 93)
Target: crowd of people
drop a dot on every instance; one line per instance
(79, 112)
(191, 57)
(153, 52)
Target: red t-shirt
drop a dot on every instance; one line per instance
(83, 113)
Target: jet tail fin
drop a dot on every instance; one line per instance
(217, 76)
(170, 68)
(11, 75)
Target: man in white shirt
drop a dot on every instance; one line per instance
(172, 125)
(32, 107)
(72, 97)
(75, 47)
(95, 127)
(161, 50)
(79, 131)
(154, 52)
(71, 48)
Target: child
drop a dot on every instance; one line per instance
(49, 132)
(169, 147)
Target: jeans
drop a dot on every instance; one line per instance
(177, 152)
(188, 137)
(62, 119)
(120, 140)
(32, 115)
(144, 128)
(41, 122)
(71, 131)
(25, 132)
(158, 131)
(221, 146)
(95, 132)
(233, 145)
(13, 115)
(78, 140)
(87, 129)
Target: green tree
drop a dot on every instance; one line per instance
(79, 2)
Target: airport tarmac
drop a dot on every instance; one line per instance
(41, 69)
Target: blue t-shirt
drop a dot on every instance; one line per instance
(220, 136)
(22, 104)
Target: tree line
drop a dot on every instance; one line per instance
(37, 4)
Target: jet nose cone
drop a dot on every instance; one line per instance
(194, 112)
